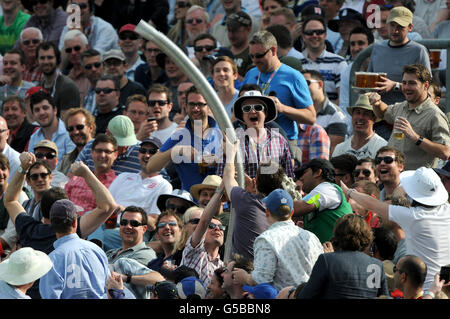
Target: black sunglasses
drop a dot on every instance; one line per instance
(256, 107)
(395, 269)
(131, 36)
(76, 48)
(79, 127)
(198, 21)
(28, 42)
(194, 221)
(159, 102)
(49, 155)
(258, 55)
(365, 172)
(89, 66)
(163, 224)
(206, 47)
(104, 90)
(144, 150)
(213, 226)
(311, 32)
(386, 159)
(35, 176)
(133, 223)
(199, 104)
(179, 209)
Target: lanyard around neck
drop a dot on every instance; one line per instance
(266, 86)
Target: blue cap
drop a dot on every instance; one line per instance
(262, 291)
(190, 286)
(277, 198)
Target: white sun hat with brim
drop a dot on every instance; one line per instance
(25, 266)
(271, 109)
(424, 186)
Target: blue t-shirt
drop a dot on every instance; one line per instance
(212, 144)
(291, 89)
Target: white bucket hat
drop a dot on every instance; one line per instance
(24, 266)
(424, 186)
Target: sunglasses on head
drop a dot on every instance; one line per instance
(104, 90)
(258, 55)
(386, 159)
(133, 223)
(190, 21)
(194, 221)
(76, 48)
(144, 150)
(159, 102)
(79, 127)
(34, 177)
(129, 36)
(206, 47)
(89, 66)
(28, 42)
(256, 107)
(365, 172)
(163, 224)
(49, 155)
(213, 226)
(317, 32)
(179, 209)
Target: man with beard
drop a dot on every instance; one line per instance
(196, 22)
(62, 89)
(47, 18)
(52, 128)
(29, 40)
(20, 130)
(421, 129)
(81, 127)
(11, 23)
(11, 82)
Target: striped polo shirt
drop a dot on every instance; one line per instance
(330, 65)
(332, 119)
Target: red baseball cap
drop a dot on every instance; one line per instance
(127, 27)
(34, 90)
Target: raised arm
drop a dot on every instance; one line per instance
(105, 202)
(229, 170)
(379, 107)
(11, 198)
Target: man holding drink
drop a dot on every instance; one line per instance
(421, 129)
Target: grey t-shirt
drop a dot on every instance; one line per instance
(250, 221)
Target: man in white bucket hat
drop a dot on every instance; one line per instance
(426, 223)
(21, 270)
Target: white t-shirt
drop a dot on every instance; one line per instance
(427, 234)
(368, 150)
(129, 189)
(325, 196)
(164, 134)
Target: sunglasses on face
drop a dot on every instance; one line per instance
(386, 159)
(206, 47)
(46, 155)
(104, 90)
(128, 36)
(194, 221)
(311, 81)
(258, 55)
(79, 127)
(256, 107)
(133, 223)
(34, 177)
(152, 103)
(96, 65)
(28, 42)
(213, 226)
(197, 21)
(179, 209)
(395, 269)
(76, 48)
(163, 224)
(365, 172)
(311, 32)
(144, 150)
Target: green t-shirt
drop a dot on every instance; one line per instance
(10, 35)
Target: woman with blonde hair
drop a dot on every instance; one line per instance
(190, 221)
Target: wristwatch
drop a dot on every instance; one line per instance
(397, 86)
(128, 280)
(419, 141)
(21, 170)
